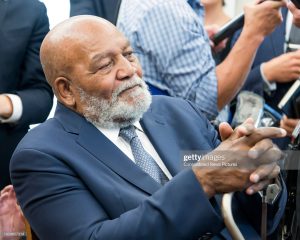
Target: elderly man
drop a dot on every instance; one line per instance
(108, 165)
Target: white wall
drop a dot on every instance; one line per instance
(234, 7)
(57, 10)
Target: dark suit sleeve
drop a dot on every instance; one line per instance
(212, 133)
(80, 7)
(60, 206)
(34, 91)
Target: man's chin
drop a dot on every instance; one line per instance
(122, 110)
(133, 95)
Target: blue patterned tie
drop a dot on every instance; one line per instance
(142, 158)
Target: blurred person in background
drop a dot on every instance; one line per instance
(25, 96)
(174, 50)
(214, 13)
(214, 18)
(276, 67)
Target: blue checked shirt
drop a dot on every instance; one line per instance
(169, 39)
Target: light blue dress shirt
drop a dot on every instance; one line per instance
(169, 39)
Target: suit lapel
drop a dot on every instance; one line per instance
(163, 140)
(3, 9)
(101, 148)
(91, 139)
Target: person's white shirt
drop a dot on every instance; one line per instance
(17, 109)
(113, 136)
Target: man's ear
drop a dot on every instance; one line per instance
(65, 91)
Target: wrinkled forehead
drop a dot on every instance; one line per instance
(75, 42)
(95, 39)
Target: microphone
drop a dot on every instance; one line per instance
(235, 24)
(229, 29)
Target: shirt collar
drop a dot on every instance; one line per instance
(113, 134)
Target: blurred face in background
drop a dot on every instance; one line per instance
(215, 13)
(210, 3)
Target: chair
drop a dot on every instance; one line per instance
(30, 235)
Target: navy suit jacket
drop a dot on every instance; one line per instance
(23, 25)
(107, 9)
(73, 183)
(272, 46)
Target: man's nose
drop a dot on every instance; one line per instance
(126, 69)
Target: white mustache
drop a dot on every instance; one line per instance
(134, 81)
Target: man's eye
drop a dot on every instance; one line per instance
(106, 65)
(130, 56)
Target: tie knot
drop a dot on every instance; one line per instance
(128, 133)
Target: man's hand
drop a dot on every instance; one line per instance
(245, 129)
(261, 19)
(288, 124)
(248, 162)
(11, 216)
(6, 107)
(296, 13)
(211, 31)
(285, 68)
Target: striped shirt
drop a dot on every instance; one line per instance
(169, 39)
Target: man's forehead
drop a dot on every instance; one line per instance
(110, 48)
(88, 36)
(84, 28)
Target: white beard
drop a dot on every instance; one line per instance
(117, 113)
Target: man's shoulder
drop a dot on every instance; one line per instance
(27, 5)
(45, 134)
(182, 117)
(175, 106)
(162, 99)
(31, 10)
